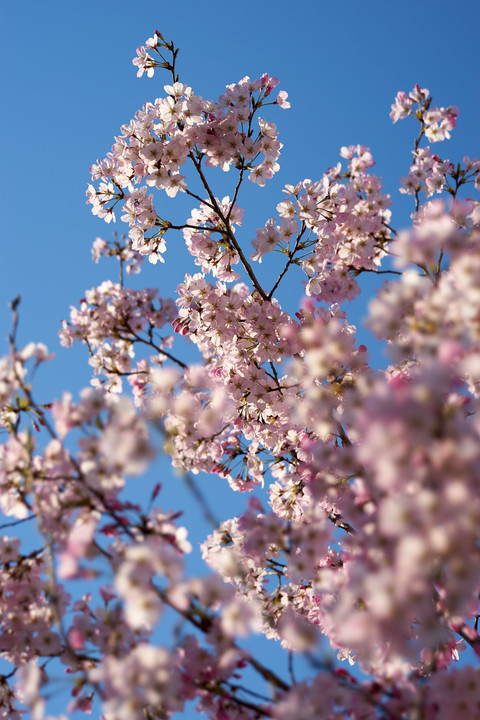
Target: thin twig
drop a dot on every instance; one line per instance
(291, 255)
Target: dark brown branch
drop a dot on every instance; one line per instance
(228, 230)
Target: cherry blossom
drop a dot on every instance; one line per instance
(360, 527)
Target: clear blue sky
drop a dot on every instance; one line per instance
(68, 84)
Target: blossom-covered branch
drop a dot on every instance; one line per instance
(362, 522)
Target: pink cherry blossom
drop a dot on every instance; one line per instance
(358, 513)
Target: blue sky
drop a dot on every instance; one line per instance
(68, 85)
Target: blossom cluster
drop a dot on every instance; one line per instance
(338, 225)
(172, 131)
(209, 243)
(436, 122)
(110, 320)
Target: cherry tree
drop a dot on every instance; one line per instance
(362, 525)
